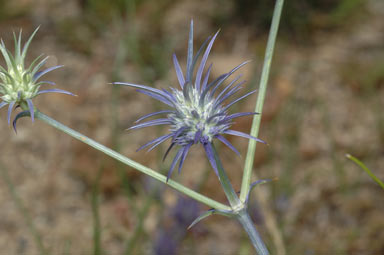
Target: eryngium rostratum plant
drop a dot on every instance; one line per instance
(199, 111)
(19, 84)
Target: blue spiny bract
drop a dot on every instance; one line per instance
(199, 113)
(19, 84)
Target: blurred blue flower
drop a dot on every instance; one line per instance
(170, 235)
(166, 243)
(185, 211)
(19, 84)
(199, 113)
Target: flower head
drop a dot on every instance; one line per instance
(199, 111)
(19, 83)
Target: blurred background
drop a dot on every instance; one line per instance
(325, 99)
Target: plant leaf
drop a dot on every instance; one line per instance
(366, 169)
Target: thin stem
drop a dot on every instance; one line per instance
(246, 182)
(239, 208)
(160, 177)
(225, 183)
(20, 205)
(249, 227)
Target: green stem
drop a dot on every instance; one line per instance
(160, 177)
(239, 209)
(249, 227)
(225, 183)
(23, 211)
(246, 182)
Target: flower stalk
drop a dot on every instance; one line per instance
(249, 227)
(248, 166)
(129, 162)
(225, 182)
(239, 209)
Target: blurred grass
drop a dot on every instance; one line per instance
(28, 221)
(366, 169)
(301, 17)
(95, 202)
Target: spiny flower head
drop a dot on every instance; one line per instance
(19, 83)
(199, 111)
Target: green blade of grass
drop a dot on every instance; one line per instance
(366, 169)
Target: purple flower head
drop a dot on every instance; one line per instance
(19, 83)
(199, 111)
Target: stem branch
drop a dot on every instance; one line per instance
(225, 183)
(239, 209)
(177, 186)
(245, 185)
(249, 227)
